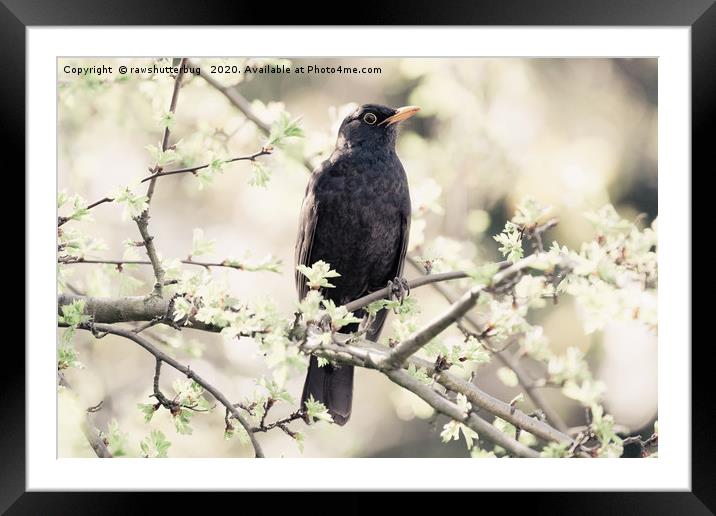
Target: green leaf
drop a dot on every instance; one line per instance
(310, 306)
(181, 422)
(469, 434)
(471, 350)
(607, 221)
(268, 263)
(79, 206)
(166, 120)
(529, 213)
(376, 306)
(67, 357)
(72, 315)
(603, 428)
(260, 176)
(134, 205)
(507, 376)
(205, 177)
(275, 391)
(284, 128)
(317, 411)
(463, 404)
(483, 275)
(451, 431)
(116, 440)
(236, 430)
(340, 317)
(182, 309)
(299, 438)
(159, 157)
(147, 410)
(479, 453)
(555, 450)
(420, 374)
(587, 393)
(510, 241)
(201, 246)
(62, 198)
(155, 445)
(318, 275)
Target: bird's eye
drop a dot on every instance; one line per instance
(370, 118)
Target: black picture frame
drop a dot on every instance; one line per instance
(700, 15)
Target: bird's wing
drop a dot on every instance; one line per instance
(377, 326)
(404, 236)
(304, 241)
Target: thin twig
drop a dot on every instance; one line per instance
(186, 370)
(503, 356)
(280, 423)
(62, 220)
(385, 293)
(243, 105)
(365, 355)
(456, 311)
(251, 157)
(68, 260)
(92, 434)
(138, 308)
(167, 132)
(143, 219)
(447, 407)
(374, 356)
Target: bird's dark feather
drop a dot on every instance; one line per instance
(355, 216)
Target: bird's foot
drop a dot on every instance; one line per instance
(399, 290)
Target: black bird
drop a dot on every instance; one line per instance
(355, 216)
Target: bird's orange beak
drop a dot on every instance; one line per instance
(402, 113)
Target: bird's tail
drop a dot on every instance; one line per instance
(332, 386)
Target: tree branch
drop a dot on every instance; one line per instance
(532, 392)
(371, 355)
(143, 225)
(95, 439)
(243, 105)
(172, 110)
(280, 423)
(385, 293)
(186, 370)
(251, 157)
(91, 433)
(224, 263)
(417, 340)
(508, 360)
(450, 409)
(62, 220)
(143, 219)
(139, 308)
(236, 99)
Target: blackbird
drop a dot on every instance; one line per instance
(356, 217)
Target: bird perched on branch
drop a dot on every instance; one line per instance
(355, 216)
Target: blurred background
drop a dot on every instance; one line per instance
(572, 133)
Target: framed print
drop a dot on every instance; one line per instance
(378, 257)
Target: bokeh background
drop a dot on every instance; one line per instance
(571, 133)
